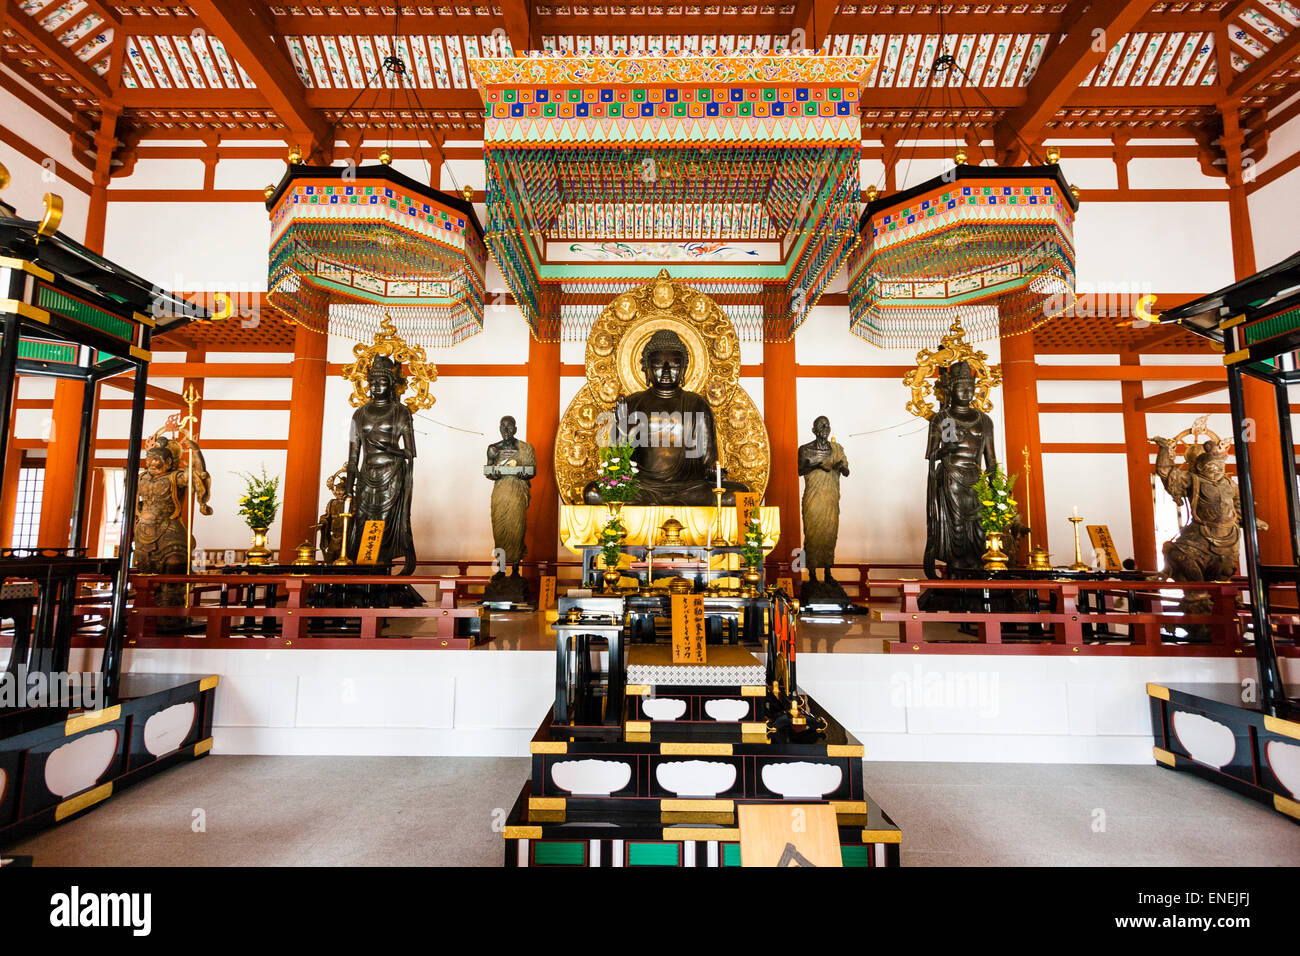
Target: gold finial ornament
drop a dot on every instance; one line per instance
(269, 191)
(959, 157)
(295, 155)
(4, 176)
(386, 156)
(1053, 155)
(1074, 191)
(872, 193)
(420, 372)
(953, 348)
(467, 192)
(53, 203)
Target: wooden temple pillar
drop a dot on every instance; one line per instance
(1137, 453)
(1259, 397)
(306, 423)
(542, 537)
(1020, 421)
(780, 414)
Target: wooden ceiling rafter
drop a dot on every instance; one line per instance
(1060, 74)
(245, 31)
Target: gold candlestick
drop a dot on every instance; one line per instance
(1078, 555)
(1039, 560)
(714, 525)
(342, 561)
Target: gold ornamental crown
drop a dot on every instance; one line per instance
(953, 350)
(390, 350)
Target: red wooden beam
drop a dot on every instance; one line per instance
(517, 17)
(1258, 72)
(246, 31)
(1086, 45)
(811, 20)
(1150, 403)
(50, 48)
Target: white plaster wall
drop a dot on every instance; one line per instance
(31, 180)
(1057, 709)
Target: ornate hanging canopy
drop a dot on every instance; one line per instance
(727, 170)
(350, 245)
(991, 247)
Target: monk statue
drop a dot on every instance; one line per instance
(822, 464)
(672, 433)
(162, 543)
(381, 451)
(959, 450)
(1206, 547)
(330, 526)
(511, 465)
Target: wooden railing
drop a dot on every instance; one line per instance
(1076, 617)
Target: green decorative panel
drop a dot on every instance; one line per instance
(53, 300)
(1277, 325)
(730, 854)
(36, 351)
(555, 853)
(854, 855)
(653, 854)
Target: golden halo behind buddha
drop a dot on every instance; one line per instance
(613, 365)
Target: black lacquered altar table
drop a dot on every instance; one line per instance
(1029, 600)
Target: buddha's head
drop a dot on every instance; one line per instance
(958, 384)
(822, 427)
(664, 360)
(385, 379)
(508, 427)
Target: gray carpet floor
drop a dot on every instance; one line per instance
(405, 811)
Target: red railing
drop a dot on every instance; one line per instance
(1076, 617)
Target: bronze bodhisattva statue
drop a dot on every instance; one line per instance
(511, 465)
(381, 455)
(960, 449)
(822, 463)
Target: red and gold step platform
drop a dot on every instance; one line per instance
(665, 792)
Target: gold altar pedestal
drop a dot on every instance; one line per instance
(580, 525)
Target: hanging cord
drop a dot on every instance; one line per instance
(455, 428)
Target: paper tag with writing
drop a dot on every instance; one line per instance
(688, 629)
(1099, 535)
(547, 599)
(372, 536)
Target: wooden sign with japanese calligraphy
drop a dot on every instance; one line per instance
(372, 536)
(783, 834)
(688, 629)
(1099, 535)
(547, 599)
(786, 585)
(746, 502)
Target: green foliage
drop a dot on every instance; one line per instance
(611, 541)
(260, 501)
(997, 506)
(617, 480)
(752, 554)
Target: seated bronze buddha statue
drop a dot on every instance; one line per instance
(672, 433)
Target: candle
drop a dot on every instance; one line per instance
(1076, 511)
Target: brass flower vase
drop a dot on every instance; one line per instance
(995, 559)
(612, 577)
(753, 579)
(615, 508)
(259, 554)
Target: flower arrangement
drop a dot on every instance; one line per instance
(260, 500)
(617, 480)
(752, 553)
(611, 541)
(997, 506)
